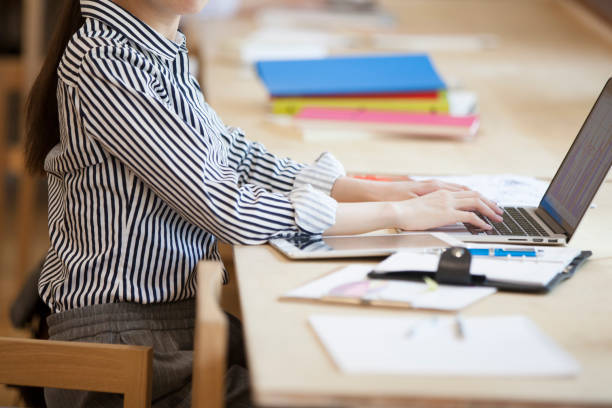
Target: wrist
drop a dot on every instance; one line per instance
(393, 214)
(382, 191)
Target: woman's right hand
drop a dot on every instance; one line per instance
(431, 210)
(444, 207)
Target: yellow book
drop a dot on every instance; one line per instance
(293, 105)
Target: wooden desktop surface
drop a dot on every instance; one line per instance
(535, 89)
(288, 365)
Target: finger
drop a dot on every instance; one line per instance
(430, 186)
(455, 187)
(490, 209)
(492, 204)
(466, 194)
(471, 218)
(475, 194)
(476, 204)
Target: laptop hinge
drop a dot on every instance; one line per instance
(550, 221)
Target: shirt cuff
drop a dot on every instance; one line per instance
(321, 175)
(315, 211)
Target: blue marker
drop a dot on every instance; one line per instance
(528, 252)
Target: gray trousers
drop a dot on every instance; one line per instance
(169, 329)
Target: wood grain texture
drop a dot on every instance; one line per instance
(210, 345)
(289, 366)
(118, 369)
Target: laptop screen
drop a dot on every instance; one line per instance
(584, 167)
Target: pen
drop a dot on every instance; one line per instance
(459, 327)
(527, 252)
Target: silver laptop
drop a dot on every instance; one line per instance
(570, 192)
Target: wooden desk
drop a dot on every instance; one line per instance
(535, 89)
(290, 367)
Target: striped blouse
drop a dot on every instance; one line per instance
(146, 177)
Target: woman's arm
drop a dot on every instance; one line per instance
(180, 160)
(254, 164)
(349, 189)
(431, 210)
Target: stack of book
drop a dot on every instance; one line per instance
(390, 94)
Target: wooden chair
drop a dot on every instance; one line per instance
(110, 368)
(124, 369)
(210, 344)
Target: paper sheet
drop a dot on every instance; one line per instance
(269, 43)
(351, 283)
(490, 346)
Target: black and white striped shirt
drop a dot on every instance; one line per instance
(146, 176)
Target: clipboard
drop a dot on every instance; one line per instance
(349, 285)
(454, 269)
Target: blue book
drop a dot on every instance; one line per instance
(350, 75)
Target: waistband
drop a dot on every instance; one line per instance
(117, 317)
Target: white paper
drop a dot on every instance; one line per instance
(270, 43)
(351, 283)
(490, 346)
(462, 103)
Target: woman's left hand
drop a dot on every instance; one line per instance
(349, 189)
(405, 190)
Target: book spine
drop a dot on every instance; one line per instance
(292, 106)
(424, 95)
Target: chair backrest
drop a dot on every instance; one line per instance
(119, 369)
(210, 344)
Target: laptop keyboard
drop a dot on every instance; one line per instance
(517, 221)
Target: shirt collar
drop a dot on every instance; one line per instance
(129, 25)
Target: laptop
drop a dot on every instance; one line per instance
(569, 194)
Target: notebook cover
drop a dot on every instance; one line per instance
(504, 286)
(350, 75)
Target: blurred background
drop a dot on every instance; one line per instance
(260, 29)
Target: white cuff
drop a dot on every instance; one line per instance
(322, 174)
(315, 211)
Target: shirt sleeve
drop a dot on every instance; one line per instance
(256, 165)
(126, 111)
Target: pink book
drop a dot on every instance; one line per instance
(418, 124)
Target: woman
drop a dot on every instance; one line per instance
(144, 178)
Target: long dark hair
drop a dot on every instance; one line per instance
(42, 123)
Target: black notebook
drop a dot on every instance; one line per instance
(457, 272)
